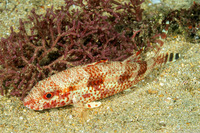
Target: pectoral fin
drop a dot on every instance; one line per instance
(92, 105)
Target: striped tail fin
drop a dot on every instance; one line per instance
(145, 67)
(166, 58)
(163, 59)
(172, 57)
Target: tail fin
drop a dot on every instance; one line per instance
(166, 58)
(147, 66)
(172, 57)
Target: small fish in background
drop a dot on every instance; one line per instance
(88, 83)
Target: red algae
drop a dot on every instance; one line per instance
(66, 37)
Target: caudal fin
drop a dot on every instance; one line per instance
(172, 57)
(166, 58)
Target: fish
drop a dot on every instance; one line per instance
(91, 82)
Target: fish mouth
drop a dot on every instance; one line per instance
(30, 106)
(30, 103)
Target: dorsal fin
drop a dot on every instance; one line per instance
(98, 62)
(135, 57)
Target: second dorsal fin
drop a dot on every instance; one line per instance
(135, 57)
(98, 62)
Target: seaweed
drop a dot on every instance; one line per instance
(78, 33)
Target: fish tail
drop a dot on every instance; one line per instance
(145, 67)
(166, 58)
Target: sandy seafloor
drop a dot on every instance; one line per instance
(168, 100)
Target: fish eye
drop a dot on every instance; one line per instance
(48, 95)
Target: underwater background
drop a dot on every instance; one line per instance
(167, 100)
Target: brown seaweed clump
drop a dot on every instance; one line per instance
(94, 30)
